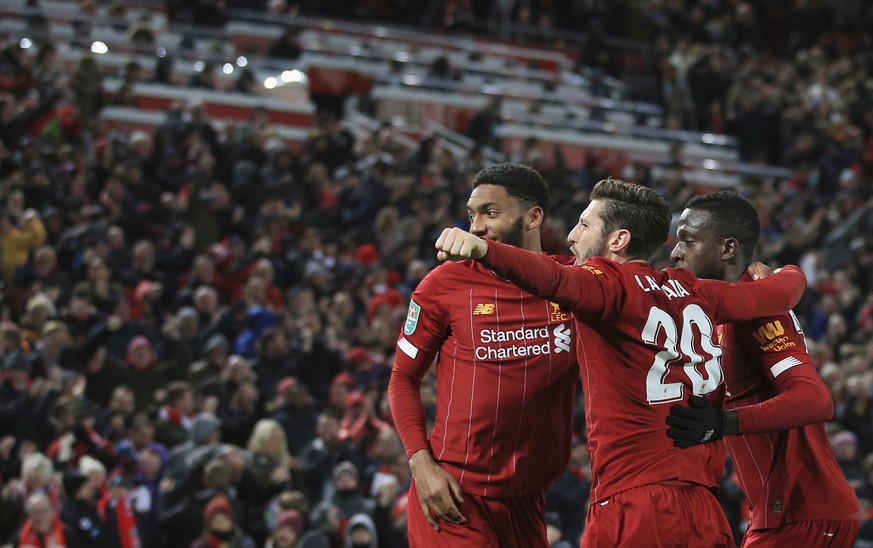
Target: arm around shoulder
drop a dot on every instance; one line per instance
(771, 296)
(779, 293)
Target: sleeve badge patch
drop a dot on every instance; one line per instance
(411, 318)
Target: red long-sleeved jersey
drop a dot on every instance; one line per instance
(646, 339)
(506, 376)
(788, 474)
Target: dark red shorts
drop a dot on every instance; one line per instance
(658, 515)
(507, 522)
(833, 533)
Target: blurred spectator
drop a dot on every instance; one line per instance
(333, 515)
(77, 439)
(219, 528)
(43, 526)
(359, 425)
(567, 498)
(116, 507)
(19, 239)
(87, 85)
(287, 531)
(83, 526)
(845, 446)
(205, 78)
(287, 46)
(270, 469)
(361, 532)
(141, 34)
(184, 504)
(295, 413)
(484, 123)
(554, 526)
(246, 82)
(202, 445)
(175, 415)
(320, 456)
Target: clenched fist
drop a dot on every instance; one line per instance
(455, 244)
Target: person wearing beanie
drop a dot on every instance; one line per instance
(205, 433)
(83, 527)
(296, 412)
(361, 532)
(94, 470)
(287, 532)
(219, 528)
(216, 350)
(346, 501)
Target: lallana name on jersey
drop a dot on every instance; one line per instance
(672, 289)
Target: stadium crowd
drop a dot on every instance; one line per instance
(198, 325)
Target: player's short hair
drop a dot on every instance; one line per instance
(638, 209)
(730, 216)
(520, 181)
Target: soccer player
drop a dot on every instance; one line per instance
(644, 340)
(776, 402)
(506, 376)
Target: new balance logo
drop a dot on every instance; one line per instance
(482, 309)
(708, 435)
(562, 335)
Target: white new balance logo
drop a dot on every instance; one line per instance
(562, 338)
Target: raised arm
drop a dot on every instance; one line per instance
(533, 272)
(772, 296)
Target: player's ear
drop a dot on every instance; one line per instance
(534, 217)
(730, 248)
(618, 241)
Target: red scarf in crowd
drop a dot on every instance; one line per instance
(171, 415)
(124, 519)
(31, 539)
(213, 541)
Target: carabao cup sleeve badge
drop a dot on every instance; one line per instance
(411, 318)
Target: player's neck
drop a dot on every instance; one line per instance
(534, 244)
(733, 272)
(621, 258)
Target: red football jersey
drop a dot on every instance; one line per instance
(788, 475)
(645, 341)
(506, 375)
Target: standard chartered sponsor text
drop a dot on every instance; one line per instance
(525, 336)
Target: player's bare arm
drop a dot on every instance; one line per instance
(438, 491)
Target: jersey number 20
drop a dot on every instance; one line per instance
(688, 340)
